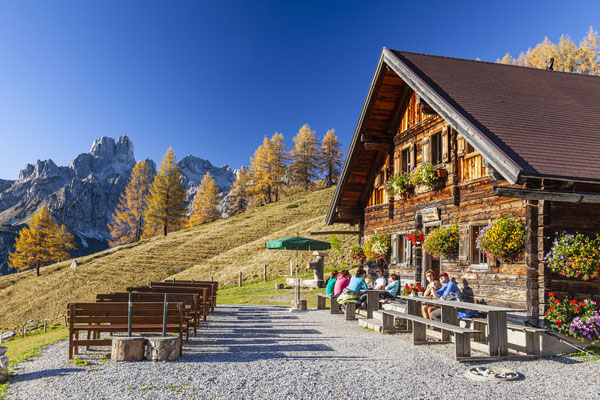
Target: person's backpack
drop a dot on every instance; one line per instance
(347, 296)
(453, 296)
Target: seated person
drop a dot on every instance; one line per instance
(331, 283)
(357, 283)
(392, 288)
(448, 291)
(342, 281)
(433, 285)
(381, 281)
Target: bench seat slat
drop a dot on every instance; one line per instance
(437, 324)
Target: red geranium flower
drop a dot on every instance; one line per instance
(576, 309)
(551, 294)
(552, 308)
(573, 302)
(546, 314)
(558, 322)
(556, 301)
(581, 304)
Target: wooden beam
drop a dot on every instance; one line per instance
(347, 215)
(378, 146)
(549, 195)
(335, 233)
(350, 209)
(376, 139)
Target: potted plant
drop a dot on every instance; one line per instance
(400, 185)
(357, 254)
(579, 319)
(425, 175)
(412, 290)
(377, 247)
(416, 237)
(575, 256)
(442, 241)
(502, 239)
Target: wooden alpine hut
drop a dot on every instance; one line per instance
(502, 140)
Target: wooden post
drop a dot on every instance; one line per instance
(212, 279)
(65, 317)
(291, 267)
(265, 272)
(240, 279)
(44, 326)
(1, 334)
(23, 331)
(129, 312)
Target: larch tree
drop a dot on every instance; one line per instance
(304, 157)
(331, 158)
(128, 219)
(568, 57)
(261, 178)
(238, 194)
(206, 202)
(277, 158)
(41, 243)
(165, 208)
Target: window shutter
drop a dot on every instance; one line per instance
(426, 152)
(464, 243)
(394, 243)
(445, 146)
(413, 157)
(460, 146)
(407, 250)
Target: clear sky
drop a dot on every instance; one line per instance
(212, 78)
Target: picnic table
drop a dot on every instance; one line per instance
(496, 319)
(372, 300)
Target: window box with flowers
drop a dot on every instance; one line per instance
(426, 175)
(575, 256)
(399, 185)
(501, 240)
(412, 290)
(377, 247)
(416, 237)
(579, 319)
(442, 241)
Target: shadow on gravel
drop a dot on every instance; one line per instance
(30, 376)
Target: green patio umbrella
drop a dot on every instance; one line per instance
(297, 243)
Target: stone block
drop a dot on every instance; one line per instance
(3, 350)
(127, 348)
(163, 348)
(3, 367)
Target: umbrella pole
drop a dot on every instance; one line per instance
(297, 281)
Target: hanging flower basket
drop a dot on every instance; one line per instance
(502, 239)
(377, 247)
(399, 185)
(442, 241)
(416, 237)
(426, 175)
(575, 256)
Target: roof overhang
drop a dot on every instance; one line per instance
(507, 167)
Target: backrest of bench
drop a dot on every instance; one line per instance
(142, 313)
(212, 290)
(185, 282)
(189, 299)
(203, 292)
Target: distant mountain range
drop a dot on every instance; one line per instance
(84, 194)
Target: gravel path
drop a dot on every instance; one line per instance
(251, 352)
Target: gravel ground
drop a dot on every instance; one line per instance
(251, 352)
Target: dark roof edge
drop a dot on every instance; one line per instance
(344, 176)
(507, 167)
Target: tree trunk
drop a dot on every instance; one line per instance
(37, 270)
(165, 229)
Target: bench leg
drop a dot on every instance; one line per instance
(320, 303)
(335, 307)
(350, 311)
(449, 316)
(532, 343)
(463, 345)
(479, 337)
(388, 322)
(419, 333)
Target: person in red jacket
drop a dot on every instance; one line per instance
(343, 279)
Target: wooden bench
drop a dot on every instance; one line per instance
(211, 296)
(334, 307)
(419, 330)
(202, 292)
(96, 318)
(192, 311)
(213, 285)
(532, 334)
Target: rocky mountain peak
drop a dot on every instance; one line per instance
(41, 169)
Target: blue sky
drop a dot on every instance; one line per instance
(212, 78)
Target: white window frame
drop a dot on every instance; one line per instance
(479, 266)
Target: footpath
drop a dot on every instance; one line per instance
(266, 352)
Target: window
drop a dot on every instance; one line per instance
(406, 164)
(478, 258)
(436, 148)
(401, 249)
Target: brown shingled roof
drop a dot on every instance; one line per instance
(547, 122)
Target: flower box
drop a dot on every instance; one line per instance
(441, 173)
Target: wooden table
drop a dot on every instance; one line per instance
(496, 319)
(372, 300)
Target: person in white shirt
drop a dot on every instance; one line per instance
(381, 280)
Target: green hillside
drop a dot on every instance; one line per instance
(224, 247)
